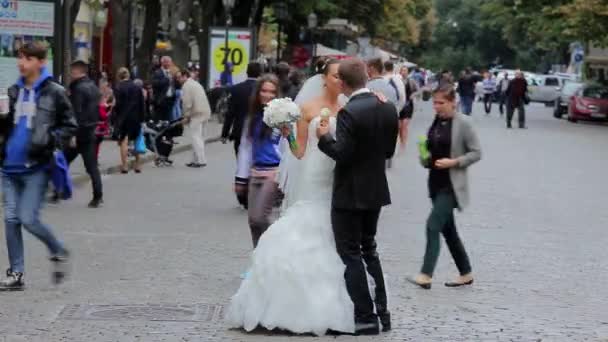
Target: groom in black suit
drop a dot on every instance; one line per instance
(365, 138)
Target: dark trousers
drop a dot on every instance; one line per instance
(466, 103)
(86, 146)
(355, 234)
(262, 196)
(503, 102)
(487, 103)
(521, 113)
(441, 221)
(237, 144)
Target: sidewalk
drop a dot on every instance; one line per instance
(109, 155)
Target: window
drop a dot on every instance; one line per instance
(594, 92)
(552, 82)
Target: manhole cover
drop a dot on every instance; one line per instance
(144, 312)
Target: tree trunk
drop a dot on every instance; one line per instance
(143, 54)
(208, 7)
(182, 11)
(120, 34)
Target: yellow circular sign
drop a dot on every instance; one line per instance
(237, 55)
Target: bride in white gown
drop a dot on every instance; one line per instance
(296, 279)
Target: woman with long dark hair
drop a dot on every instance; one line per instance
(266, 156)
(453, 146)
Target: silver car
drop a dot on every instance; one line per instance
(545, 88)
(561, 103)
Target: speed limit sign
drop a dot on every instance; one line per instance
(238, 54)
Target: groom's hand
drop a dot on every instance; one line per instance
(322, 129)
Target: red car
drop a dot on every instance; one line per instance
(589, 103)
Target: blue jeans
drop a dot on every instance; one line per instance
(467, 104)
(23, 197)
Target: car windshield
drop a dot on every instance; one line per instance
(600, 93)
(571, 87)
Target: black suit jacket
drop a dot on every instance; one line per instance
(160, 85)
(366, 136)
(238, 109)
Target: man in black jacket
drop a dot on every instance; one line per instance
(366, 136)
(239, 106)
(40, 115)
(163, 86)
(85, 97)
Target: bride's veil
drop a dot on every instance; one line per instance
(289, 169)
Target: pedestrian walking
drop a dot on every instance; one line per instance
(466, 91)
(377, 83)
(266, 156)
(517, 95)
(238, 106)
(396, 83)
(453, 146)
(26, 153)
(406, 114)
(163, 85)
(129, 114)
(196, 114)
(503, 86)
(489, 88)
(85, 97)
(106, 106)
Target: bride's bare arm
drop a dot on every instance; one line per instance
(302, 132)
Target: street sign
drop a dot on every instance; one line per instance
(22, 22)
(239, 54)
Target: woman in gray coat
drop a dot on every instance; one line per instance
(453, 146)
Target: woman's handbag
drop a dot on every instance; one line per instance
(140, 143)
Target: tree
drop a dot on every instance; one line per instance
(584, 20)
(181, 12)
(120, 34)
(143, 53)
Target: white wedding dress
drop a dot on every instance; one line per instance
(296, 280)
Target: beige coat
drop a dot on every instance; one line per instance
(467, 150)
(194, 101)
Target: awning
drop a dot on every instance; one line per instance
(324, 51)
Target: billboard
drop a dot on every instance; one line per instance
(21, 22)
(240, 43)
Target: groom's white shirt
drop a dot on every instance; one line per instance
(360, 91)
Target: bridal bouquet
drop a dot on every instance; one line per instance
(280, 113)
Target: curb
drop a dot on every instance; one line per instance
(81, 179)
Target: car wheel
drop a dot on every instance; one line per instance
(557, 112)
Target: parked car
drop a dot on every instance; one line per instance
(545, 88)
(562, 101)
(589, 103)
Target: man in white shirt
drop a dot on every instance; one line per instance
(395, 81)
(196, 114)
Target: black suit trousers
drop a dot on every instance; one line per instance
(86, 146)
(355, 234)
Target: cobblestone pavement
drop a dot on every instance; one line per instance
(163, 257)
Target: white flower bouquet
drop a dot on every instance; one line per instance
(280, 113)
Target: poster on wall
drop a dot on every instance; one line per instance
(22, 22)
(239, 55)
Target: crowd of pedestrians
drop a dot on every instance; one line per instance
(49, 126)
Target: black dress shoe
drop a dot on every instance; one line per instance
(426, 286)
(456, 284)
(385, 320)
(367, 328)
(96, 203)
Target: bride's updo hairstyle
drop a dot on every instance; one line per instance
(323, 63)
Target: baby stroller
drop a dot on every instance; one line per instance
(158, 136)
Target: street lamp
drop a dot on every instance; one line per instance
(228, 6)
(312, 25)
